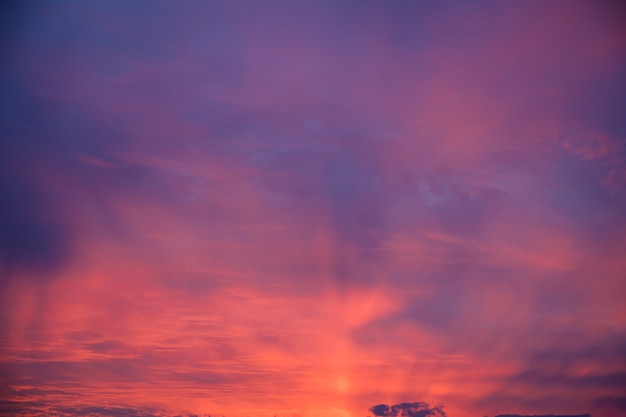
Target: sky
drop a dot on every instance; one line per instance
(312, 208)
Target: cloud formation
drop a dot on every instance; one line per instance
(415, 409)
(301, 208)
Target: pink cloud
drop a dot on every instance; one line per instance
(313, 208)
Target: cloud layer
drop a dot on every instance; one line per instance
(303, 208)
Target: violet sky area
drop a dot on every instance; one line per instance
(312, 208)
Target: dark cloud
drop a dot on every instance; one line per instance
(107, 411)
(538, 377)
(105, 346)
(615, 403)
(592, 350)
(12, 14)
(30, 235)
(49, 146)
(416, 409)
(543, 415)
(37, 408)
(13, 408)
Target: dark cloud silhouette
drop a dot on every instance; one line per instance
(543, 415)
(416, 409)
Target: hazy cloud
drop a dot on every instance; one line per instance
(612, 403)
(318, 204)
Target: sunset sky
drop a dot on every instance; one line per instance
(306, 208)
